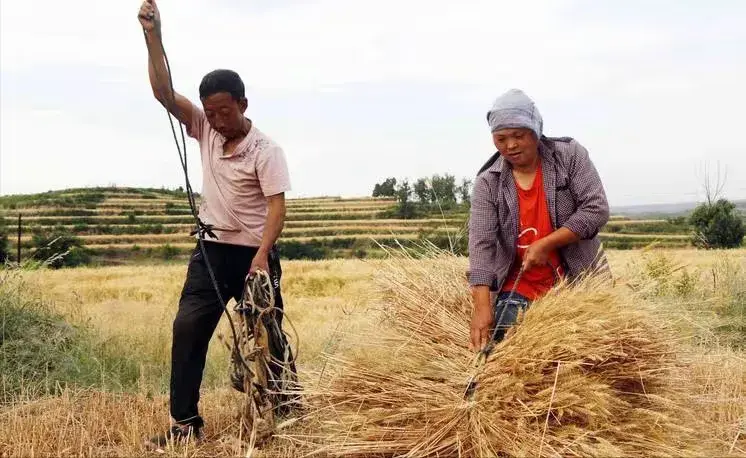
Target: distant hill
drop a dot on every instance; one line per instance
(665, 210)
(125, 225)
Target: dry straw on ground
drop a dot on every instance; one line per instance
(591, 370)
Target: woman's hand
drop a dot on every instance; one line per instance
(537, 254)
(482, 319)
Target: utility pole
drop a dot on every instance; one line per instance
(19, 240)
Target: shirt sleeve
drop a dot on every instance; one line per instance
(272, 171)
(592, 206)
(482, 235)
(199, 121)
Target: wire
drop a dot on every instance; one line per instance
(200, 227)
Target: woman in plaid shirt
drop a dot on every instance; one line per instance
(536, 210)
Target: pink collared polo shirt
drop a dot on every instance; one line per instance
(235, 187)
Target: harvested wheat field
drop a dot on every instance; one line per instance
(644, 367)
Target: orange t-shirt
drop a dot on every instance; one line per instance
(535, 223)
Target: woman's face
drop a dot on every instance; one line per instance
(518, 146)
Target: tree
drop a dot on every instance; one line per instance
(717, 225)
(713, 186)
(426, 195)
(444, 189)
(716, 222)
(422, 191)
(464, 191)
(406, 208)
(385, 189)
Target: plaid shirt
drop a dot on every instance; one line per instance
(576, 200)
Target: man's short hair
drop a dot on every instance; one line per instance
(222, 80)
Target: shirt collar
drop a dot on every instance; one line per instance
(244, 145)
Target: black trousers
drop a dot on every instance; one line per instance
(199, 313)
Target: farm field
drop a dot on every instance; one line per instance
(332, 304)
(131, 225)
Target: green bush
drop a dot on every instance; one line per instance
(169, 252)
(59, 250)
(314, 249)
(717, 225)
(456, 244)
(41, 353)
(360, 248)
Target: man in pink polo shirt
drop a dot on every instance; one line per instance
(245, 178)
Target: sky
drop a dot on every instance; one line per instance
(358, 91)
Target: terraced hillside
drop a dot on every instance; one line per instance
(117, 225)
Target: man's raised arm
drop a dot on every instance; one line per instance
(181, 107)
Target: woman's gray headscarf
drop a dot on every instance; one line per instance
(514, 109)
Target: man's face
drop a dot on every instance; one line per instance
(224, 113)
(518, 146)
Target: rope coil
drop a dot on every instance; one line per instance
(260, 330)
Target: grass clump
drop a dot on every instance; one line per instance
(41, 353)
(714, 297)
(729, 285)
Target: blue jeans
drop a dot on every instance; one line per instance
(506, 312)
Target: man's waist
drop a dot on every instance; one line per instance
(210, 229)
(233, 219)
(243, 238)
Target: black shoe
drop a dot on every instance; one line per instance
(177, 434)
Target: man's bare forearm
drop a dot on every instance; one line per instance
(157, 70)
(274, 223)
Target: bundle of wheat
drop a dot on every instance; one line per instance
(588, 371)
